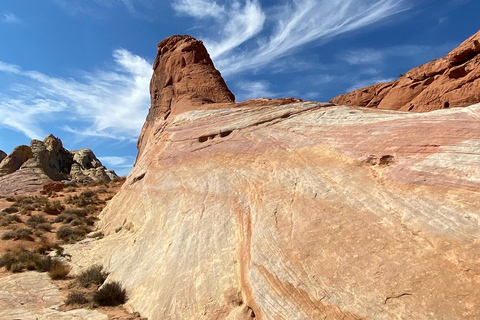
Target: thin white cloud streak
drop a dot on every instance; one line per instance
(199, 8)
(366, 83)
(239, 21)
(9, 68)
(122, 165)
(254, 89)
(375, 56)
(298, 23)
(24, 116)
(11, 18)
(112, 103)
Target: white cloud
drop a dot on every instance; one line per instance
(254, 89)
(122, 165)
(368, 82)
(376, 56)
(109, 103)
(198, 8)
(296, 23)
(11, 18)
(9, 68)
(24, 116)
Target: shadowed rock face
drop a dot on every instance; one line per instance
(3, 155)
(297, 210)
(453, 81)
(27, 168)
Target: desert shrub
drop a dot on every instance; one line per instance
(20, 259)
(10, 199)
(46, 226)
(9, 219)
(59, 271)
(35, 220)
(81, 213)
(11, 209)
(53, 208)
(70, 189)
(76, 222)
(111, 294)
(93, 275)
(68, 234)
(84, 199)
(45, 247)
(65, 217)
(91, 221)
(19, 234)
(76, 297)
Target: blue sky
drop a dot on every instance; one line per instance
(80, 69)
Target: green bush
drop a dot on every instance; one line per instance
(111, 294)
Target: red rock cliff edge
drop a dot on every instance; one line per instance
(452, 81)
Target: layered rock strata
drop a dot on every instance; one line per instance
(295, 210)
(453, 81)
(27, 168)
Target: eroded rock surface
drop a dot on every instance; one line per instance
(31, 296)
(453, 81)
(297, 210)
(28, 168)
(3, 155)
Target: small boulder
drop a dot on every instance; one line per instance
(55, 186)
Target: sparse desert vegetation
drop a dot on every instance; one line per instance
(34, 228)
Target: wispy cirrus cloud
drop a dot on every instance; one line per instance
(110, 103)
(11, 18)
(366, 56)
(295, 24)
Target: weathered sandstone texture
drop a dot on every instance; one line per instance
(32, 296)
(295, 210)
(453, 81)
(3, 155)
(27, 168)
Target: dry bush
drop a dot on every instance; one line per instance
(92, 276)
(20, 259)
(46, 226)
(59, 271)
(68, 234)
(6, 220)
(10, 199)
(11, 209)
(111, 294)
(19, 234)
(76, 297)
(35, 220)
(53, 208)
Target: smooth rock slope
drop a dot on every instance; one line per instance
(293, 210)
(453, 81)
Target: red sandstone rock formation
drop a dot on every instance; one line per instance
(292, 210)
(453, 81)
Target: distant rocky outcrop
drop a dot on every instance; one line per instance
(3, 155)
(283, 209)
(453, 81)
(27, 168)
